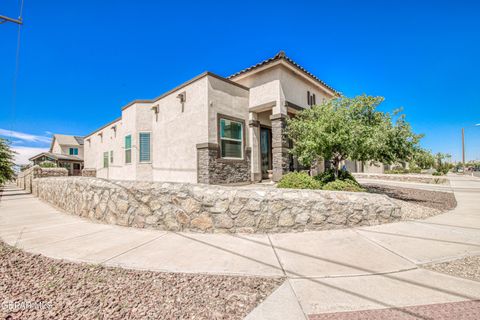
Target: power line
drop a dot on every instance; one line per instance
(19, 22)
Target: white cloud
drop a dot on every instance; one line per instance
(24, 136)
(24, 153)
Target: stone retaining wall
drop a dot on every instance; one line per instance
(402, 177)
(89, 172)
(207, 208)
(25, 178)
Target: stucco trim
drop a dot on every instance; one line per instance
(207, 145)
(278, 116)
(181, 86)
(281, 59)
(103, 127)
(254, 123)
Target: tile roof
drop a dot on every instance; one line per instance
(68, 140)
(281, 56)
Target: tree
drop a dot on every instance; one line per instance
(440, 162)
(6, 162)
(351, 128)
(423, 159)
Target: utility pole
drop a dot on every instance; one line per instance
(4, 19)
(463, 149)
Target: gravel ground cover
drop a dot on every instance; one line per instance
(463, 310)
(55, 289)
(468, 267)
(416, 203)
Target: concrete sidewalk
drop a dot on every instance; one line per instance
(327, 271)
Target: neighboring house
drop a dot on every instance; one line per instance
(210, 129)
(66, 152)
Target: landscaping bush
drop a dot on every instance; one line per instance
(415, 170)
(343, 185)
(299, 180)
(403, 171)
(443, 168)
(47, 164)
(436, 173)
(329, 176)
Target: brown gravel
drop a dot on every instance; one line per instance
(54, 289)
(463, 310)
(468, 267)
(416, 203)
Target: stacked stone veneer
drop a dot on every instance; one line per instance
(207, 208)
(402, 177)
(280, 155)
(211, 169)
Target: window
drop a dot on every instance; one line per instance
(231, 139)
(73, 151)
(311, 99)
(105, 159)
(128, 149)
(111, 156)
(144, 139)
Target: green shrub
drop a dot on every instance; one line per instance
(436, 173)
(343, 185)
(47, 164)
(403, 171)
(397, 171)
(326, 176)
(443, 168)
(329, 176)
(299, 180)
(415, 170)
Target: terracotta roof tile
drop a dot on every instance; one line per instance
(279, 56)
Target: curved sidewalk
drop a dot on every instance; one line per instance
(328, 271)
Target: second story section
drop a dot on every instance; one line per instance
(282, 82)
(67, 145)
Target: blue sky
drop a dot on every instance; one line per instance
(81, 61)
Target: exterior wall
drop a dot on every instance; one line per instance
(280, 83)
(295, 89)
(372, 168)
(206, 208)
(65, 149)
(176, 133)
(232, 101)
(423, 178)
(175, 130)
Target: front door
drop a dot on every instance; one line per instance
(266, 150)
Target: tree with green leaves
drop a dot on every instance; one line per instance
(423, 159)
(441, 163)
(351, 128)
(6, 162)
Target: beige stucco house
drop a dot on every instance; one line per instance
(209, 129)
(65, 151)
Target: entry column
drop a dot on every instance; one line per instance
(280, 157)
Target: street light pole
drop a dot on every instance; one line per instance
(463, 149)
(463, 146)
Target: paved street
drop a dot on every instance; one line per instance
(329, 272)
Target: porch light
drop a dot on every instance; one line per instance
(183, 98)
(156, 110)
